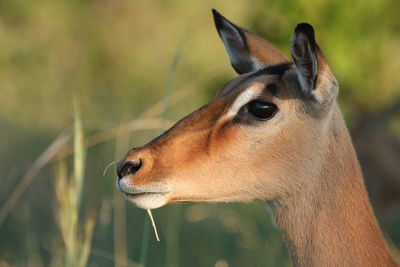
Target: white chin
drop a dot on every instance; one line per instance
(147, 200)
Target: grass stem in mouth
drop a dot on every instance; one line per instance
(153, 224)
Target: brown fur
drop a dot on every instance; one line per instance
(329, 222)
(301, 161)
(257, 45)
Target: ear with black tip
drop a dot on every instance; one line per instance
(313, 72)
(303, 48)
(247, 51)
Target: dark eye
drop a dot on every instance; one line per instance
(262, 110)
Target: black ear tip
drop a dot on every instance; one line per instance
(217, 16)
(218, 19)
(305, 28)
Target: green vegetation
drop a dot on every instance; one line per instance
(132, 68)
(69, 194)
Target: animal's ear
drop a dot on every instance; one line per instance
(313, 71)
(247, 51)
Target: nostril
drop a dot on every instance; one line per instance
(128, 168)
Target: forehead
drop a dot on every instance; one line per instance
(266, 76)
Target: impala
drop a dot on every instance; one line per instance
(274, 133)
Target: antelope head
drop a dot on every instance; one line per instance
(261, 138)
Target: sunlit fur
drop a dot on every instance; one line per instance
(301, 162)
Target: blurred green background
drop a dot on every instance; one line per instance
(133, 67)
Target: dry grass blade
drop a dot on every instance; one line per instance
(108, 166)
(153, 224)
(180, 94)
(47, 156)
(87, 240)
(135, 125)
(60, 187)
(57, 148)
(76, 234)
(79, 152)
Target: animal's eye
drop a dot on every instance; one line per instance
(261, 110)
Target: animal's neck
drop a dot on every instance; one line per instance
(330, 222)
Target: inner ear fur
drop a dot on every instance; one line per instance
(313, 72)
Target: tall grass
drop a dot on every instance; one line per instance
(76, 234)
(77, 231)
(60, 148)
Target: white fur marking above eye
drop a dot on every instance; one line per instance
(243, 98)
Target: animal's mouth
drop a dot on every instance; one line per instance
(143, 194)
(147, 200)
(143, 197)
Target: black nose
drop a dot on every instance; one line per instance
(125, 168)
